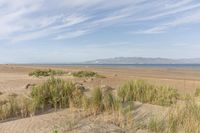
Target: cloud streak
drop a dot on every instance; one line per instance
(24, 20)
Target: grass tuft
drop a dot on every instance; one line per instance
(180, 119)
(55, 93)
(139, 90)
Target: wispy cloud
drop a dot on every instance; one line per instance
(184, 19)
(23, 20)
(72, 34)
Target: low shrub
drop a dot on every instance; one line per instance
(87, 74)
(45, 73)
(139, 90)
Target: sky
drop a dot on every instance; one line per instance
(70, 31)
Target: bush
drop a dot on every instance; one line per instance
(140, 90)
(87, 74)
(45, 73)
(55, 93)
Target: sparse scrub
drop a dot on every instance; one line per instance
(45, 73)
(87, 74)
(139, 90)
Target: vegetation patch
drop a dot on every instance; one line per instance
(56, 93)
(45, 73)
(139, 90)
(14, 107)
(180, 119)
(87, 74)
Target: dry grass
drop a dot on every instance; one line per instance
(156, 125)
(15, 107)
(139, 90)
(180, 119)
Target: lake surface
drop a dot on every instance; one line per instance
(168, 66)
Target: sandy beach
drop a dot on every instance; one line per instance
(14, 78)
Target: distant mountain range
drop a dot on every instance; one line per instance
(142, 60)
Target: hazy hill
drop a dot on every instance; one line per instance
(142, 60)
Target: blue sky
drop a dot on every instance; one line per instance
(64, 31)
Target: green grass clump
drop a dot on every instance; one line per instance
(139, 90)
(55, 93)
(97, 100)
(87, 74)
(45, 73)
(104, 102)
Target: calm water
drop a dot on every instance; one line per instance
(168, 66)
